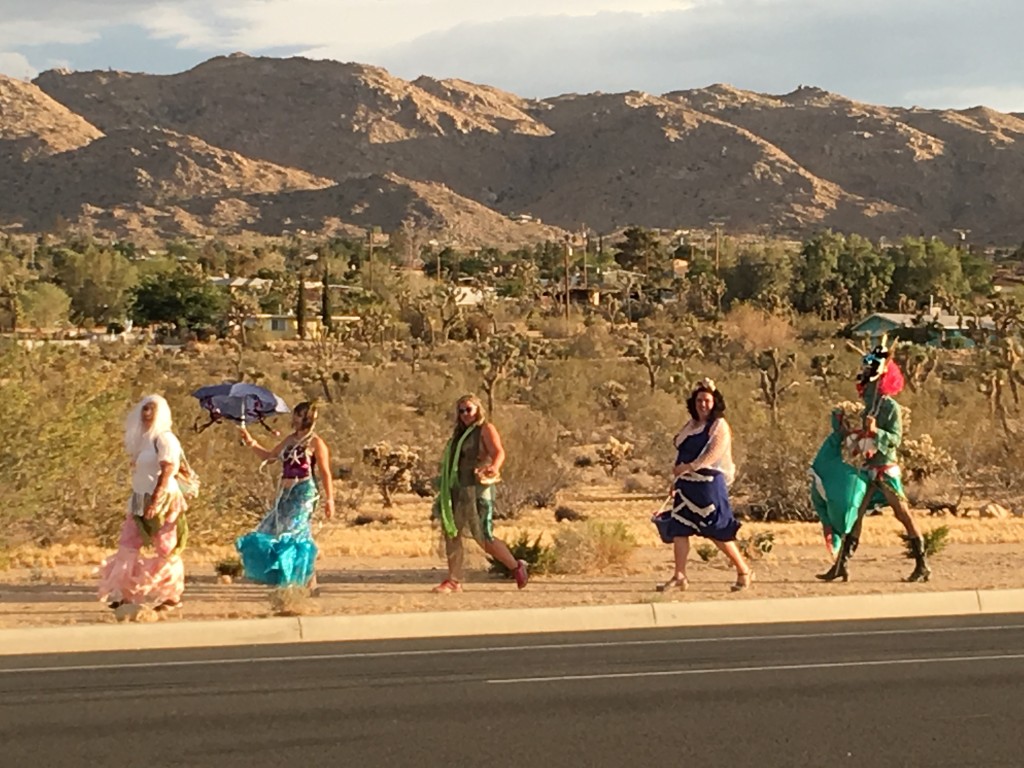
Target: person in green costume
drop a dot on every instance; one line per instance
(470, 469)
(877, 443)
(837, 488)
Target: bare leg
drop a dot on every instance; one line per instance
(499, 550)
(456, 557)
(681, 551)
(732, 551)
(901, 509)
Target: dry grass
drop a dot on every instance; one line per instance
(593, 547)
(293, 601)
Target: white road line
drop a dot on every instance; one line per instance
(498, 649)
(767, 668)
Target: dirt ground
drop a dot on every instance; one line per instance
(389, 568)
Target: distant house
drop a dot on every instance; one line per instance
(245, 283)
(935, 328)
(471, 296)
(285, 326)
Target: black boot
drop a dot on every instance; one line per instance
(838, 569)
(921, 570)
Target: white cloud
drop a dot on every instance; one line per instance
(16, 65)
(930, 52)
(353, 28)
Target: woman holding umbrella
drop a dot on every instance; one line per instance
(281, 551)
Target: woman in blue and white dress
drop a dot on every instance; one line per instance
(703, 471)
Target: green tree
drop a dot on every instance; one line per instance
(640, 251)
(763, 274)
(45, 305)
(817, 274)
(926, 268)
(182, 299)
(99, 282)
(865, 272)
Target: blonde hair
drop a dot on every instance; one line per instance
(481, 416)
(136, 436)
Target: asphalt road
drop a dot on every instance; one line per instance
(940, 692)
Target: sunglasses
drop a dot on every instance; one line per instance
(467, 411)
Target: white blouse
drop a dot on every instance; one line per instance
(717, 454)
(146, 472)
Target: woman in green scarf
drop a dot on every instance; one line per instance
(470, 469)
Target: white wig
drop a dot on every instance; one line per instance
(136, 437)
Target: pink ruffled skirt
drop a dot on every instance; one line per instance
(128, 576)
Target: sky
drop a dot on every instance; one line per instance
(929, 53)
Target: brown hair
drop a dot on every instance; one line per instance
(308, 412)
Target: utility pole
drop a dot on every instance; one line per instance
(369, 261)
(566, 253)
(718, 245)
(586, 249)
(718, 257)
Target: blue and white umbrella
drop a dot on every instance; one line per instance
(239, 402)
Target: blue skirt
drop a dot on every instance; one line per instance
(700, 507)
(281, 552)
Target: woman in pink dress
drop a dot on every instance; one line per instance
(155, 515)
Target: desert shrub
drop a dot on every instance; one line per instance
(564, 514)
(229, 566)
(756, 329)
(539, 557)
(773, 475)
(613, 453)
(757, 546)
(533, 473)
(593, 546)
(922, 459)
(706, 551)
(562, 389)
(394, 468)
(368, 518)
(613, 397)
(935, 541)
(292, 601)
(938, 493)
(594, 343)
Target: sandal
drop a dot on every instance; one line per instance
(675, 582)
(447, 586)
(743, 581)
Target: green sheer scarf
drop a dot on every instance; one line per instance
(449, 478)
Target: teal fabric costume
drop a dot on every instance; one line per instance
(837, 489)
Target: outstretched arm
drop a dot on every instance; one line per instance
(258, 449)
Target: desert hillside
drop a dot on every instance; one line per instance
(466, 157)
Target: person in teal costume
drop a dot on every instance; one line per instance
(837, 489)
(878, 442)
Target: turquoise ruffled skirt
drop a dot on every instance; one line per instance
(281, 551)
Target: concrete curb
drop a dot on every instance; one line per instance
(396, 626)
